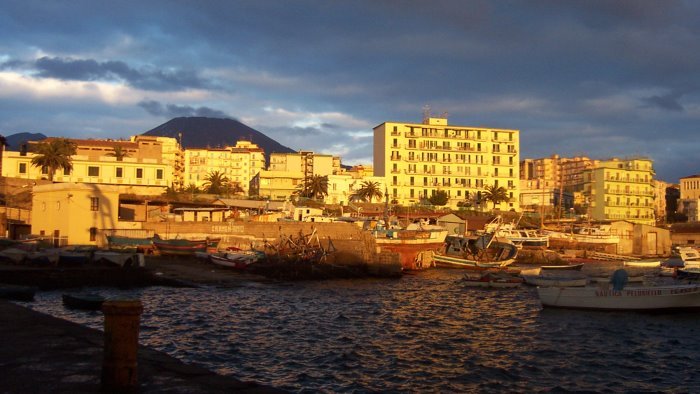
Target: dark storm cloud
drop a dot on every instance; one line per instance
(155, 108)
(92, 70)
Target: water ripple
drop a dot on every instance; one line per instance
(422, 333)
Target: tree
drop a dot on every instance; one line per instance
(119, 152)
(53, 154)
(215, 182)
(368, 191)
(439, 199)
(314, 187)
(495, 194)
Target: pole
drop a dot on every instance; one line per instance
(121, 343)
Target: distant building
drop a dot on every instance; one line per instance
(621, 190)
(239, 164)
(557, 172)
(419, 159)
(690, 197)
(149, 161)
(660, 200)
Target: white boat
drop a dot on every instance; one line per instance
(638, 278)
(518, 236)
(566, 267)
(690, 256)
(643, 263)
(492, 279)
(631, 299)
(239, 259)
(556, 280)
(589, 234)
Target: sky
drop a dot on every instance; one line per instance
(595, 78)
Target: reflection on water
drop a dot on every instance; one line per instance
(422, 333)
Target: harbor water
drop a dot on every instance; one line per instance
(422, 333)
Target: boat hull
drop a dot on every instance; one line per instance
(446, 261)
(554, 281)
(631, 299)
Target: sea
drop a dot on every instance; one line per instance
(426, 333)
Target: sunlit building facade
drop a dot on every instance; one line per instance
(621, 190)
(239, 164)
(419, 159)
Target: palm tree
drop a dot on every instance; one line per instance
(215, 182)
(368, 191)
(53, 154)
(495, 194)
(316, 187)
(119, 152)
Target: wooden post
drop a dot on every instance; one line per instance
(119, 366)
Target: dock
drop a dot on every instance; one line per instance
(43, 354)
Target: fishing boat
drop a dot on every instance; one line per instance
(119, 259)
(643, 263)
(76, 255)
(92, 302)
(518, 236)
(475, 252)
(631, 299)
(183, 247)
(491, 279)
(587, 234)
(128, 244)
(410, 243)
(237, 259)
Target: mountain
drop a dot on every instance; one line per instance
(15, 140)
(201, 132)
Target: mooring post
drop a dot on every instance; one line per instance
(119, 366)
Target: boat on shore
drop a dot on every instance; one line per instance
(480, 252)
(518, 236)
(410, 243)
(184, 247)
(565, 267)
(128, 244)
(601, 234)
(120, 259)
(239, 260)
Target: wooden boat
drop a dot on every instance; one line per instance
(409, 244)
(238, 260)
(643, 263)
(556, 280)
(44, 257)
(76, 255)
(17, 293)
(476, 253)
(587, 234)
(184, 247)
(128, 244)
(518, 236)
(566, 267)
(92, 302)
(630, 299)
(492, 279)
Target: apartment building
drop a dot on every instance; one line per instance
(690, 197)
(621, 190)
(306, 162)
(419, 159)
(239, 163)
(143, 164)
(559, 172)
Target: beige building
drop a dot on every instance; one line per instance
(306, 162)
(144, 165)
(559, 172)
(238, 163)
(276, 185)
(419, 159)
(341, 188)
(660, 200)
(689, 202)
(621, 190)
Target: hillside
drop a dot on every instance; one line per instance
(200, 132)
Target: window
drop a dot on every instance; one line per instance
(139, 173)
(93, 234)
(94, 203)
(22, 168)
(159, 174)
(66, 171)
(93, 171)
(44, 170)
(120, 172)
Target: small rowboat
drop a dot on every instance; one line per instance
(91, 302)
(238, 260)
(643, 263)
(492, 279)
(569, 267)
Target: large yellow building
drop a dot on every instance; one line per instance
(621, 190)
(306, 162)
(419, 159)
(144, 165)
(239, 164)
